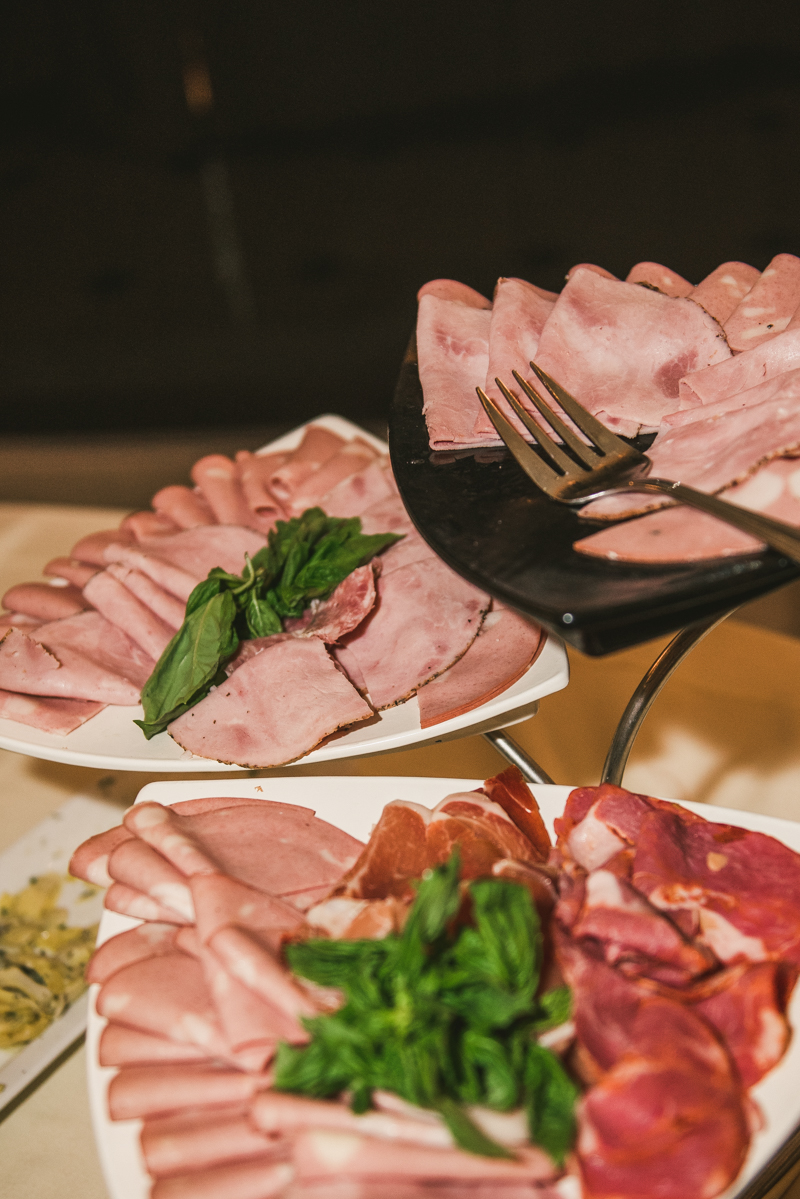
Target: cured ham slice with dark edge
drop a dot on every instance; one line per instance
(426, 617)
(740, 373)
(505, 648)
(724, 289)
(653, 274)
(187, 508)
(453, 357)
(45, 602)
(137, 1092)
(274, 709)
(121, 1046)
(218, 480)
(621, 349)
(49, 715)
(768, 307)
(317, 447)
(30, 668)
(342, 612)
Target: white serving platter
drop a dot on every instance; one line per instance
(354, 804)
(48, 847)
(111, 741)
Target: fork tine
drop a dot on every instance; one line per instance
(586, 453)
(587, 423)
(542, 437)
(537, 470)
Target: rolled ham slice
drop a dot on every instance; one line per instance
(450, 289)
(30, 668)
(768, 307)
(273, 709)
(724, 289)
(352, 458)
(141, 1091)
(453, 356)
(653, 274)
(254, 471)
(218, 480)
(90, 859)
(75, 572)
(342, 612)
(121, 607)
(183, 506)
(741, 373)
(49, 715)
(196, 1140)
(317, 447)
(429, 611)
(91, 549)
(121, 1046)
(503, 651)
(148, 524)
(45, 602)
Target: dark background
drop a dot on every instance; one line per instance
(215, 216)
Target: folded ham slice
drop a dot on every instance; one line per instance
(241, 1180)
(653, 274)
(134, 945)
(742, 372)
(75, 572)
(274, 708)
(121, 607)
(165, 606)
(352, 458)
(185, 507)
(159, 1089)
(91, 549)
(768, 307)
(172, 579)
(149, 524)
(317, 447)
(49, 715)
(359, 491)
(121, 1046)
(136, 864)
(31, 668)
(223, 902)
(129, 901)
(724, 289)
(218, 480)
(254, 472)
(428, 611)
(196, 1140)
(450, 289)
(453, 356)
(198, 550)
(45, 602)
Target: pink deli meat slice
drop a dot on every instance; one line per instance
(240, 1180)
(357, 492)
(504, 649)
(519, 313)
(165, 606)
(589, 266)
(148, 524)
(30, 668)
(45, 602)
(768, 307)
(724, 289)
(134, 945)
(49, 715)
(197, 1140)
(91, 549)
(352, 458)
(317, 447)
(137, 1092)
(170, 578)
(453, 356)
(621, 349)
(254, 472)
(184, 506)
(278, 1114)
(199, 550)
(425, 619)
(223, 902)
(121, 1046)
(90, 859)
(450, 289)
(218, 480)
(95, 638)
(273, 709)
(344, 611)
(128, 901)
(655, 275)
(122, 608)
(741, 373)
(387, 516)
(136, 864)
(75, 572)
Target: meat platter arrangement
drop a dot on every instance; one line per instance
(457, 1007)
(258, 615)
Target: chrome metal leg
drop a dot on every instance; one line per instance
(642, 699)
(513, 752)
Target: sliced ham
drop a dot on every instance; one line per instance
(165, 606)
(137, 1092)
(17, 620)
(590, 266)
(738, 374)
(411, 549)
(183, 506)
(273, 709)
(453, 355)
(45, 602)
(49, 715)
(254, 472)
(506, 646)
(352, 458)
(344, 611)
(318, 446)
(510, 791)
(31, 668)
(121, 607)
(483, 832)
(93, 637)
(169, 838)
(218, 480)
(387, 516)
(134, 945)
(277, 1114)
(90, 859)
(121, 1046)
(255, 966)
(128, 901)
(136, 864)
(354, 494)
(768, 307)
(91, 549)
(724, 289)
(172, 579)
(196, 1140)
(197, 551)
(450, 289)
(653, 274)
(240, 1180)
(621, 349)
(148, 524)
(431, 614)
(222, 902)
(75, 572)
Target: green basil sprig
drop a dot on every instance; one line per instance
(445, 1015)
(304, 559)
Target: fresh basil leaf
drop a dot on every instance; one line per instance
(490, 1072)
(551, 1096)
(262, 619)
(202, 593)
(466, 1133)
(555, 1008)
(190, 664)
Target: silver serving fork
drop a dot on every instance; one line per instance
(607, 465)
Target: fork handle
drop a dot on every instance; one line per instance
(780, 536)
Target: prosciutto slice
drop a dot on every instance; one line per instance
(724, 289)
(504, 649)
(653, 274)
(740, 373)
(45, 602)
(342, 612)
(621, 349)
(453, 355)
(274, 708)
(428, 611)
(50, 715)
(768, 307)
(185, 507)
(514, 796)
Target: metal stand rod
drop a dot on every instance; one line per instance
(642, 699)
(515, 754)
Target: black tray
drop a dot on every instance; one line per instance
(484, 517)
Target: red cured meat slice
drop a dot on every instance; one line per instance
(185, 507)
(91, 549)
(148, 524)
(518, 317)
(768, 307)
(450, 289)
(357, 492)
(134, 945)
(344, 611)
(130, 902)
(621, 349)
(198, 550)
(31, 668)
(353, 457)
(427, 612)
(43, 601)
(168, 609)
(486, 821)
(90, 859)
(121, 1046)
(142, 1091)
(173, 579)
(661, 277)
(397, 852)
(121, 607)
(740, 373)
(317, 447)
(724, 289)
(217, 478)
(77, 573)
(220, 902)
(453, 355)
(198, 1139)
(137, 865)
(505, 648)
(57, 716)
(167, 996)
(512, 793)
(745, 886)
(242, 1180)
(274, 708)
(254, 471)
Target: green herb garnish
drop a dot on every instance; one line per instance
(304, 559)
(444, 1015)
